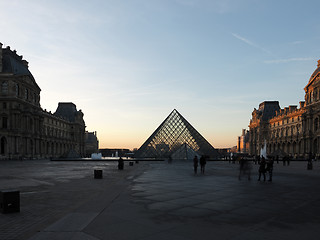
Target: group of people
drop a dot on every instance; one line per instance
(202, 161)
(265, 166)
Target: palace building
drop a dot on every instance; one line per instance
(292, 130)
(26, 130)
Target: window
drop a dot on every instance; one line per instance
(4, 105)
(4, 87)
(4, 122)
(26, 94)
(17, 90)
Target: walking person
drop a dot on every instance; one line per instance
(262, 168)
(270, 168)
(241, 169)
(202, 163)
(120, 163)
(245, 168)
(195, 164)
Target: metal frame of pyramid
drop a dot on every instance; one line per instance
(185, 152)
(173, 132)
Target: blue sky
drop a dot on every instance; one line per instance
(128, 64)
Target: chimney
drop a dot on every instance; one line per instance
(302, 104)
(0, 57)
(25, 63)
(318, 63)
(292, 108)
(286, 110)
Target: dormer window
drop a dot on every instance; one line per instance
(17, 90)
(26, 94)
(4, 87)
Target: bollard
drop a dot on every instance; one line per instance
(130, 163)
(9, 201)
(98, 174)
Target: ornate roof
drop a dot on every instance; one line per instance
(13, 63)
(314, 74)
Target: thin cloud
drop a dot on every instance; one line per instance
(277, 61)
(217, 6)
(296, 42)
(250, 43)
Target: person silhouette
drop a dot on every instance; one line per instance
(202, 164)
(262, 168)
(120, 163)
(195, 164)
(270, 168)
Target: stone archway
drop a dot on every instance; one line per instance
(289, 150)
(3, 146)
(294, 147)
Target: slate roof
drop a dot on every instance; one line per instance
(66, 110)
(13, 63)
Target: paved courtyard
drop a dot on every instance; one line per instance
(157, 200)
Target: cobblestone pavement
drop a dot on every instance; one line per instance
(49, 190)
(61, 200)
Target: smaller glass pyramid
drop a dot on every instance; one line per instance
(174, 132)
(184, 152)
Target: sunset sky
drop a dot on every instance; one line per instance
(128, 63)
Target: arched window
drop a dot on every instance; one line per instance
(4, 87)
(4, 122)
(26, 94)
(17, 90)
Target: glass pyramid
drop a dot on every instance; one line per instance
(174, 132)
(184, 152)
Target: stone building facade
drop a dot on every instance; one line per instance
(26, 130)
(289, 131)
(243, 142)
(91, 143)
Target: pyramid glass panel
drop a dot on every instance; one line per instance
(174, 132)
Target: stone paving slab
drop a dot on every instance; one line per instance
(162, 201)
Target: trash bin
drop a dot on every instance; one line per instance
(98, 174)
(10, 201)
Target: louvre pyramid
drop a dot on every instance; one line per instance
(174, 132)
(184, 153)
